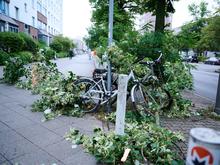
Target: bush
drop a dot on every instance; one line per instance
(29, 43)
(13, 70)
(11, 42)
(151, 43)
(62, 55)
(3, 57)
(56, 46)
(42, 44)
(25, 56)
(49, 54)
(61, 43)
(201, 58)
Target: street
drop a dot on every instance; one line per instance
(81, 65)
(206, 81)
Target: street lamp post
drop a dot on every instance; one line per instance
(217, 102)
(110, 38)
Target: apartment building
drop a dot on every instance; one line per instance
(42, 19)
(150, 19)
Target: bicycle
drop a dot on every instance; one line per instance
(149, 94)
(93, 92)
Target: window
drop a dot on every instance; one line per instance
(4, 7)
(33, 3)
(39, 7)
(13, 28)
(39, 25)
(33, 21)
(43, 26)
(25, 7)
(17, 13)
(27, 29)
(44, 11)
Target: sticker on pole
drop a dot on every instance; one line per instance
(204, 147)
(201, 156)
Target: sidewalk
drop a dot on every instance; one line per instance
(26, 140)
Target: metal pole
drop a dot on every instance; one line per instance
(110, 37)
(217, 102)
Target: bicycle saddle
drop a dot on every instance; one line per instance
(100, 71)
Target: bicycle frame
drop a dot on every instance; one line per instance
(104, 92)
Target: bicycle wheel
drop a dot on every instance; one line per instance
(140, 101)
(159, 96)
(90, 95)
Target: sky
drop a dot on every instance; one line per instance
(77, 14)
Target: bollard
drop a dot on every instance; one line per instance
(121, 104)
(217, 102)
(203, 147)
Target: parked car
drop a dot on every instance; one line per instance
(212, 61)
(191, 59)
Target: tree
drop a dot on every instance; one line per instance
(98, 33)
(199, 11)
(210, 39)
(191, 33)
(161, 9)
(61, 43)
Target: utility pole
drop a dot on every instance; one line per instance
(110, 38)
(217, 102)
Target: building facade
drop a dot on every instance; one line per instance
(41, 19)
(150, 19)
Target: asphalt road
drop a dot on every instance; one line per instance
(206, 80)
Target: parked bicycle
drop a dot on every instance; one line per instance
(146, 93)
(93, 92)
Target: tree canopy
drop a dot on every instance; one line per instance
(124, 15)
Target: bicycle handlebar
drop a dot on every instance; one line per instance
(152, 62)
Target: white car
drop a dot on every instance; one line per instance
(212, 61)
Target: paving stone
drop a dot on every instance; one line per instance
(16, 121)
(37, 157)
(46, 139)
(2, 159)
(8, 116)
(16, 149)
(32, 130)
(4, 111)
(6, 163)
(62, 150)
(4, 127)
(80, 158)
(13, 105)
(9, 136)
(87, 124)
(4, 99)
(53, 124)
(66, 119)
(63, 130)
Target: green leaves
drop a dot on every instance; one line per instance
(58, 91)
(13, 70)
(145, 140)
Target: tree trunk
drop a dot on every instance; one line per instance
(160, 15)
